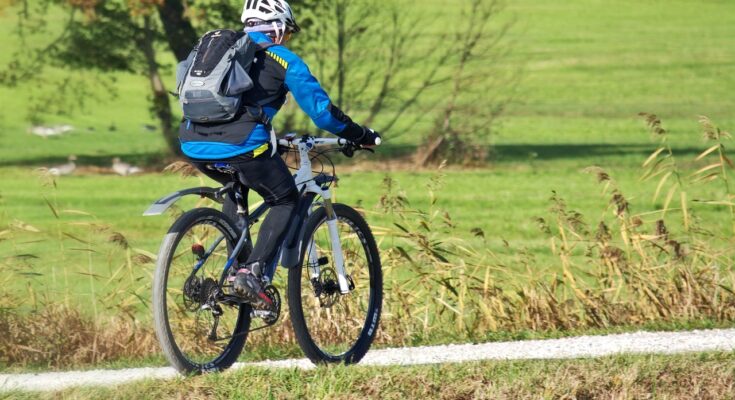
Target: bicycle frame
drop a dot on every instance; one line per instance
(310, 187)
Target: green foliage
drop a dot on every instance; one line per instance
(110, 36)
(108, 41)
(574, 99)
(213, 14)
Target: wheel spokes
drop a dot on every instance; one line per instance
(337, 327)
(198, 323)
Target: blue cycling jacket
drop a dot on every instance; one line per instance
(276, 72)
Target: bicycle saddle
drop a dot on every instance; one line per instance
(224, 168)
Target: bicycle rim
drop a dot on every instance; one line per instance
(335, 322)
(201, 329)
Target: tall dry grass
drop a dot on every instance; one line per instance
(78, 298)
(627, 269)
(59, 336)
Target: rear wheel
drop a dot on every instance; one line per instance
(332, 327)
(198, 330)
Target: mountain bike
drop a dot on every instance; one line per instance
(335, 285)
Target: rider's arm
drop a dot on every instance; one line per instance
(315, 102)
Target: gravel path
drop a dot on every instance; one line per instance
(577, 347)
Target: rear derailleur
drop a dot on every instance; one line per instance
(201, 294)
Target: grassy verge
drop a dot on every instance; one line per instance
(703, 376)
(502, 202)
(77, 344)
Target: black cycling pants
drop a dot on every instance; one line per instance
(271, 179)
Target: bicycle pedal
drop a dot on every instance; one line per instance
(269, 317)
(261, 314)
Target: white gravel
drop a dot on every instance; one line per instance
(577, 347)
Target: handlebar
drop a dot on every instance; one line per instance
(348, 148)
(288, 140)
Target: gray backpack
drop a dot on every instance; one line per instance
(213, 78)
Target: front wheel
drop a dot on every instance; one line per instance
(332, 327)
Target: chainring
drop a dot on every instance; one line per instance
(275, 297)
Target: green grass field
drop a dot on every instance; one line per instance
(587, 68)
(502, 201)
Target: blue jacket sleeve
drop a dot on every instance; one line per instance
(310, 96)
(315, 102)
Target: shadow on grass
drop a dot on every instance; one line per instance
(148, 160)
(548, 152)
(498, 154)
(520, 152)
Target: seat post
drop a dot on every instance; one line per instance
(237, 194)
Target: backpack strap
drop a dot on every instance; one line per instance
(257, 113)
(265, 46)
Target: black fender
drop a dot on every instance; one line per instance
(160, 206)
(291, 254)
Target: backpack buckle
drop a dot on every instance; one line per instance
(259, 115)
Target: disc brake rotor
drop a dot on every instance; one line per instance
(328, 292)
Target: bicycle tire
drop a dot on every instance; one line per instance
(169, 346)
(296, 307)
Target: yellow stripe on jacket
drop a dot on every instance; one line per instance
(260, 150)
(278, 59)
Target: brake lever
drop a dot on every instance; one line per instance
(348, 150)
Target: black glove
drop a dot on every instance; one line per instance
(369, 137)
(353, 132)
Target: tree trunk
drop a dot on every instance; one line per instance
(161, 104)
(341, 16)
(180, 33)
(430, 152)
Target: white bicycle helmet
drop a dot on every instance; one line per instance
(276, 13)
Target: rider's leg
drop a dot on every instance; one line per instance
(270, 177)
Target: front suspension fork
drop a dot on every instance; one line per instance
(339, 260)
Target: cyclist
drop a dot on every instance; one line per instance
(276, 72)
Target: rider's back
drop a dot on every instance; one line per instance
(276, 71)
